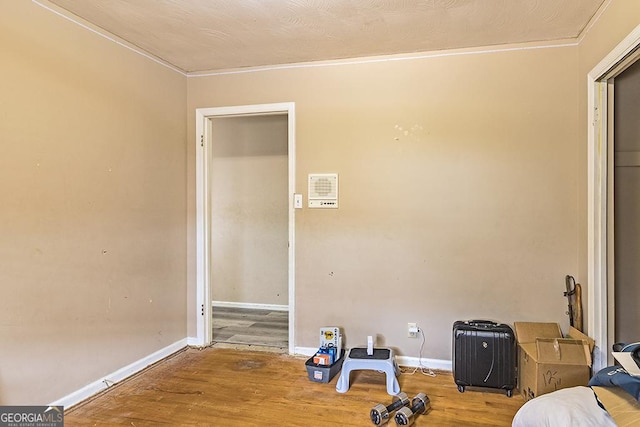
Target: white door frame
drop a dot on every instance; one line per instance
(204, 333)
(598, 81)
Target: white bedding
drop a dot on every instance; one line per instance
(575, 406)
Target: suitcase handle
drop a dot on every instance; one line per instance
(482, 323)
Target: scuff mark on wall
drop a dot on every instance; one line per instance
(412, 133)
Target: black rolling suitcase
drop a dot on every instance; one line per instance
(484, 355)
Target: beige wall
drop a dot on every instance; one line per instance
(457, 189)
(615, 22)
(92, 183)
(250, 211)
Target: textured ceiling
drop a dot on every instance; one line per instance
(206, 35)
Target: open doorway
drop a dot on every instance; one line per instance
(237, 282)
(601, 190)
(626, 207)
(249, 229)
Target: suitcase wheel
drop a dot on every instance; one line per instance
(461, 388)
(509, 393)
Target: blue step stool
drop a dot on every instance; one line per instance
(382, 359)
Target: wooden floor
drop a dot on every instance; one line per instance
(251, 326)
(227, 387)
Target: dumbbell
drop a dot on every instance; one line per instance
(380, 414)
(419, 405)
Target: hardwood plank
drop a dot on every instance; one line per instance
(245, 338)
(251, 326)
(228, 387)
(227, 322)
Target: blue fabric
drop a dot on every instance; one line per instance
(616, 376)
(633, 347)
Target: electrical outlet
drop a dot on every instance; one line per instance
(412, 330)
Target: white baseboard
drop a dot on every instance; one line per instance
(414, 362)
(194, 342)
(411, 362)
(119, 375)
(273, 307)
(305, 351)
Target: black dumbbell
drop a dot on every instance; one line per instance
(419, 405)
(380, 414)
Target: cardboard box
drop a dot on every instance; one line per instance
(622, 406)
(547, 361)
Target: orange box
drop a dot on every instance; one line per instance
(321, 359)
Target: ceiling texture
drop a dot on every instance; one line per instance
(211, 35)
